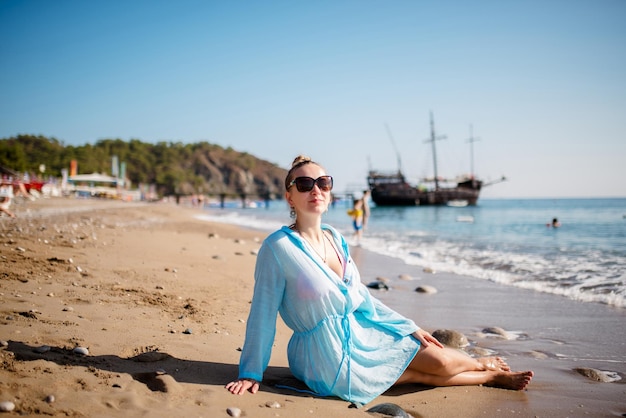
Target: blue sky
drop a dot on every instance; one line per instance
(543, 83)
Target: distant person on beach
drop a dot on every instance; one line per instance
(366, 207)
(356, 213)
(345, 342)
(6, 197)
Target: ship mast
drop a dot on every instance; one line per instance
(432, 140)
(393, 142)
(471, 141)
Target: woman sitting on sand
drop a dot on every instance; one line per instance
(345, 343)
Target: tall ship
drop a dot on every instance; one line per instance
(392, 189)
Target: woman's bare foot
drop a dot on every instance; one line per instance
(495, 364)
(512, 380)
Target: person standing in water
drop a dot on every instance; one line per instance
(356, 213)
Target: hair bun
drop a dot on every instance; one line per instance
(300, 159)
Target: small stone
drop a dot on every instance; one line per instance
(496, 331)
(4, 344)
(272, 404)
(378, 285)
(7, 406)
(429, 270)
(81, 351)
(49, 399)
(42, 349)
(233, 412)
(388, 409)
(188, 331)
(451, 338)
(405, 277)
(429, 290)
(605, 376)
(68, 309)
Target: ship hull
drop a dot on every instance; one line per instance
(394, 191)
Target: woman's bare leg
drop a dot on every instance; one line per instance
(437, 366)
(445, 362)
(500, 379)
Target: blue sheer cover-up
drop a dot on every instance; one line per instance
(346, 343)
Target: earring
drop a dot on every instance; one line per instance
(292, 213)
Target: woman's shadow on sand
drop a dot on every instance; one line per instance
(162, 372)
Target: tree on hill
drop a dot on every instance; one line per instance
(174, 167)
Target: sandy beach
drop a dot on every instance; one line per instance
(157, 302)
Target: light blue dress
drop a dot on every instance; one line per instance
(346, 343)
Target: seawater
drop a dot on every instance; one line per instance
(507, 241)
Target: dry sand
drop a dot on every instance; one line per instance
(160, 301)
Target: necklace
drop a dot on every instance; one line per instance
(324, 238)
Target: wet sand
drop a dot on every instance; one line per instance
(160, 299)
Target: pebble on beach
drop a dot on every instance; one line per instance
(7, 406)
(389, 409)
(378, 285)
(604, 376)
(499, 332)
(451, 338)
(429, 290)
(233, 412)
(81, 351)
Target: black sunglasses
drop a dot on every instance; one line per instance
(306, 184)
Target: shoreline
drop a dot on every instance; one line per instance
(152, 288)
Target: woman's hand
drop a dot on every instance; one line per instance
(240, 386)
(426, 339)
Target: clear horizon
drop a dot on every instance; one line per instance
(542, 84)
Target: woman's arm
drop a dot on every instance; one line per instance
(261, 326)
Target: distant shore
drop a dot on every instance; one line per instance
(159, 299)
